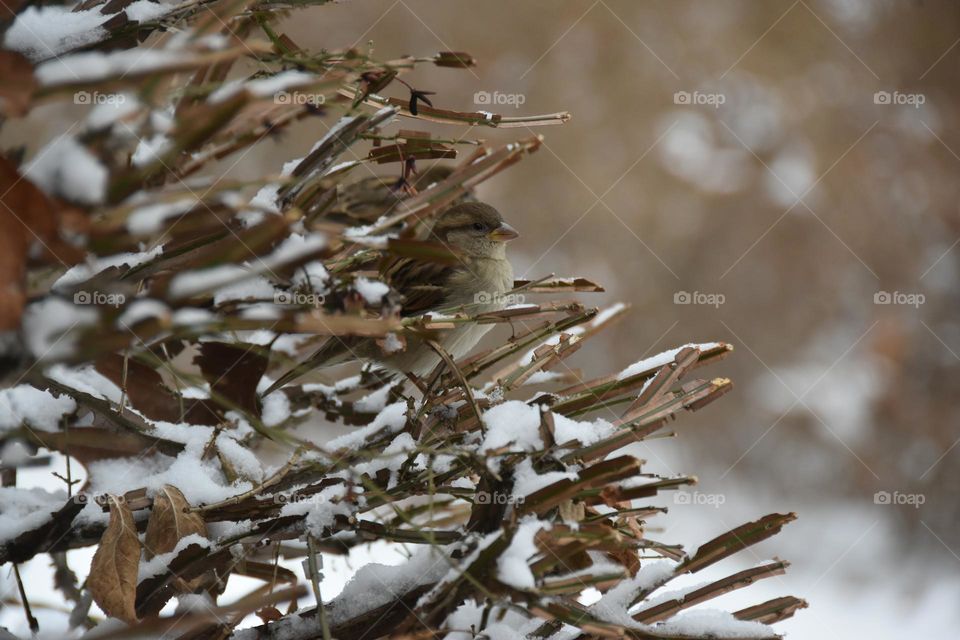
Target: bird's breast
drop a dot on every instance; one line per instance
(483, 283)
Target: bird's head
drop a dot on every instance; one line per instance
(475, 229)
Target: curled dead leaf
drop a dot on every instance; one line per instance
(170, 521)
(113, 572)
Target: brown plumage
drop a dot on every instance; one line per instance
(368, 199)
(474, 231)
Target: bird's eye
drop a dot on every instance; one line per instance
(479, 226)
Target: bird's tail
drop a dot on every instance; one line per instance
(335, 350)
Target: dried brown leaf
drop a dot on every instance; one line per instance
(233, 371)
(18, 83)
(144, 386)
(170, 521)
(113, 572)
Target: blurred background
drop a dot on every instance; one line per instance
(780, 175)
(789, 169)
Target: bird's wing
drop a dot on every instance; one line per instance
(423, 284)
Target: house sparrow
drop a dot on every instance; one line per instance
(482, 275)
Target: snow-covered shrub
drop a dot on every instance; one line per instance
(150, 308)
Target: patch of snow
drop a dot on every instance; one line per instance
(65, 168)
(80, 272)
(276, 409)
(263, 87)
(294, 247)
(587, 433)
(392, 343)
(373, 402)
(713, 623)
(192, 315)
(114, 108)
(666, 357)
(150, 219)
(320, 509)
(266, 199)
(614, 605)
(48, 327)
(607, 313)
(313, 275)
(22, 510)
(158, 564)
(87, 380)
(527, 481)
(512, 565)
(190, 283)
(46, 32)
(38, 409)
(242, 458)
(512, 423)
(543, 377)
(375, 584)
(94, 65)
(150, 150)
(146, 10)
(392, 418)
(255, 288)
(140, 310)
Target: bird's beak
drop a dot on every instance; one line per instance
(503, 233)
